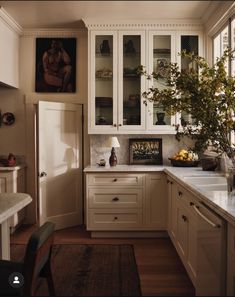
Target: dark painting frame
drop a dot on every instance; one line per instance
(55, 65)
(145, 151)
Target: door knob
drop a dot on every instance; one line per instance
(43, 173)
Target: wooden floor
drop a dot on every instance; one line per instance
(160, 269)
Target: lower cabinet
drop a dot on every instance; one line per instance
(198, 235)
(126, 201)
(12, 181)
(231, 261)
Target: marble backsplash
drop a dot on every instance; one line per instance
(98, 150)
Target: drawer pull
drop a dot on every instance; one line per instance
(180, 194)
(115, 199)
(115, 179)
(115, 218)
(191, 203)
(184, 218)
(196, 208)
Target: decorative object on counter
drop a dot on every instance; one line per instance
(207, 94)
(113, 142)
(10, 161)
(129, 47)
(160, 118)
(104, 48)
(209, 163)
(145, 151)
(185, 158)
(102, 162)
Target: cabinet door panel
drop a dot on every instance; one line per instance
(156, 202)
(161, 53)
(131, 115)
(103, 80)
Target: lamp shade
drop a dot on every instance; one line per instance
(113, 142)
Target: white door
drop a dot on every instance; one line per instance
(60, 163)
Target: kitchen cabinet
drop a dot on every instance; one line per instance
(198, 235)
(231, 260)
(125, 202)
(155, 201)
(13, 181)
(115, 103)
(9, 51)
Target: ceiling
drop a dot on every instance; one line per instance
(67, 14)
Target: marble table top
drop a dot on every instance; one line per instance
(11, 203)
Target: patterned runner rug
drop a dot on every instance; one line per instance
(90, 270)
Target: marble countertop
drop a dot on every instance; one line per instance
(219, 201)
(11, 203)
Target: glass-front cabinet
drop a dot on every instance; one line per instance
(116, 86)
(161, 53)
(190, 42)
(115, 104)
(103, 80)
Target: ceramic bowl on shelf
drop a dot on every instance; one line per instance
(183, 163)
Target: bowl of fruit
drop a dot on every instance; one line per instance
(185, 158)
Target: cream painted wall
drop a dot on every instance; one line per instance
(20, 138)
(27, 85)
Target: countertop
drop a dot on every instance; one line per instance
(12, 168)
(219, 201)
(11, 203)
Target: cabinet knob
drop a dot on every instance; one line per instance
(184, 218)
(180, 194)
(191, 203)
(120, 125)
(171, 182)
(115, 125)
(115, 199)
(115, 218)
(115, 179)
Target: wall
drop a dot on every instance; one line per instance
(99, 151)
(20, 138)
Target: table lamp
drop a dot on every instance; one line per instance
(113, 142)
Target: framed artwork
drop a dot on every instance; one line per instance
(145, 151)
(55, 65)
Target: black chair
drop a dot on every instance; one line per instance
(36, 264)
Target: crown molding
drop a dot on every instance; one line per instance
(159, 24)
(48, 32)
(10, 22)
(220, 17)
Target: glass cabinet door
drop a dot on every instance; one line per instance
(161, 53)
(103, 80)
(190, 43)
(131, 107)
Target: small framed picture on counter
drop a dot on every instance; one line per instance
(145, 151)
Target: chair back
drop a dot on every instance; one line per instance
(37, 255)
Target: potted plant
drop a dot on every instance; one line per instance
(207, 94)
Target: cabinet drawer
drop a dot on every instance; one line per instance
(114, 219)
(114, 198)
(115, 179)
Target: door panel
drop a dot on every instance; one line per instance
(60, 144)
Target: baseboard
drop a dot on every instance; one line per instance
(129, 234)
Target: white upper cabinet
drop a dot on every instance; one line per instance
(9, 51)
(161, 52)
(115, 102)
(115, 88)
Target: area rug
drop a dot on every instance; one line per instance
(90, 270)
